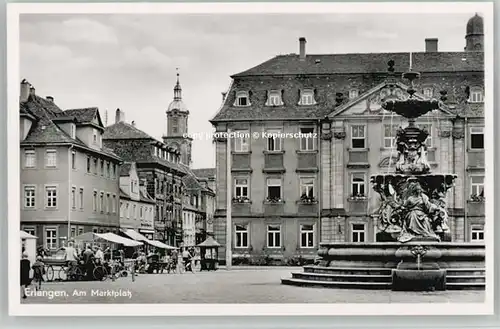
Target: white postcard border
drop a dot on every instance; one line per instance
(18, 309)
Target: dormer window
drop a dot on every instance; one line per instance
(242, 98)
(353, 93)
(274, 98)
(428, 92)
(476, 95)
(307, 97)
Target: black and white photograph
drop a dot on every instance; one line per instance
(218, 159)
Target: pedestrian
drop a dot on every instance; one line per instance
(99, 255)
(25, 273)
(38, 272)
(88, 256)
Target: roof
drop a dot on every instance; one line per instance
(44, 129)
(204, 172)
(124, 195)
(123, 130)
(83, 115)
(191, 182)
(326, 90)
(145, 197)
(367, 63)
(209, 242)
(125, 169)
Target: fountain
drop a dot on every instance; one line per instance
(417, 253)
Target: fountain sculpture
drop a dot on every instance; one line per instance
(419, 254)
(413, 199)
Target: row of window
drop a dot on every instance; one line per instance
(274, 143)
(165, 155)
(358, 185)
(135, 212)
(306, 97)
(100, 167)
(30, 160)
(358, 138)
(166, 187)
(51, 238)
(274, 236)
(99, 203)
(107, 169)
(167, 213)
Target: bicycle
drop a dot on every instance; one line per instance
(49, 273)
(99, 272)
(71, 273)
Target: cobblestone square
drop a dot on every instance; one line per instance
(250, 285)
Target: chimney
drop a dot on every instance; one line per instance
(224, 95)
(133, 123)
(431, 45)
(25, 91)
(50, 98)
(120, 116)
(32, 91)
(302, 43)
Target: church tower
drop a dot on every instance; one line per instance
(474, 37)
(177, 126)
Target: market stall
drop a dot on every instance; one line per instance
(209, 250)
(28, 243)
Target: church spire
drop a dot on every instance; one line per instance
(177, 88)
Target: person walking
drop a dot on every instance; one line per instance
(25, 274)
(88, 256)
(71, 257)
(38, 272)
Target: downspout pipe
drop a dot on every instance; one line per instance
(465, 189)
(70, 206)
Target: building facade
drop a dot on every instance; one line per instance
(159, 166)
(206, 177)
(322, 134)
(69, 180)
(137, 208)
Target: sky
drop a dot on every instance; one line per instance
(129, 61)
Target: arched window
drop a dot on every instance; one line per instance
(242, 98)
(476, 95)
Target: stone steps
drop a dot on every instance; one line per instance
(336, 284)
(347, 270)
(341, 277)
(465, 278)
(465, 271)
(377, 278)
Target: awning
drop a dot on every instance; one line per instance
(25, 235)
(159, 244)
(118, 239)
(146, 230)
(134, 235)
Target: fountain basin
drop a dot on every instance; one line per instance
(418, 280)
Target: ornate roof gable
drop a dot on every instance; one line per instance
(370, 103)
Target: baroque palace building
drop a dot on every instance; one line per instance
(291, 192)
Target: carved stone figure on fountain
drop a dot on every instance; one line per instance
(412, 151)
(418, 213)
(389, 217)
(438, 198)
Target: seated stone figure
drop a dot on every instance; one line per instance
(417, 214)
